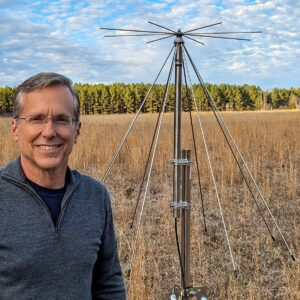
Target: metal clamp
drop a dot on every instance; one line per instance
(181, 204)
(181, 162)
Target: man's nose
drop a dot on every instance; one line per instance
(49, 128)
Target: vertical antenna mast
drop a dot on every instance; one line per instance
(177, 119)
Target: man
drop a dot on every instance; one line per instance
(57, 238)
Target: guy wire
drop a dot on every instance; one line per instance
(147, 163)
(241, 156)
(241, 170)
(210, 100)
(195, 148)
(212, 173)
(133, 121)
(151, 164)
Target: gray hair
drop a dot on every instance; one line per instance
(41, 81)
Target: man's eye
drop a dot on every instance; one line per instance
(36, 118)
(61, 119)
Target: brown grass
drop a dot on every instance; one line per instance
(270, 143)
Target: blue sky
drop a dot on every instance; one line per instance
(63, 36)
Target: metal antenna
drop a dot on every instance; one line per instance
(182, 158)
(179, 33)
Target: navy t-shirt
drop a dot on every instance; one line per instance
(51, 197)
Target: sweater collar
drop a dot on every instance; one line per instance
(15, 171)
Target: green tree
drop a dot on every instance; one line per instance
(129, 99)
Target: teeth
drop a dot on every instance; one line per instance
(48, 147)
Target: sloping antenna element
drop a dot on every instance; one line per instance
(181, 161)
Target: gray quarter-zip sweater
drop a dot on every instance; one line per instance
(75, 259)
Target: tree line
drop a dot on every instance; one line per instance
(126, 98)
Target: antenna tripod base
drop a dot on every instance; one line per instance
(195, 292)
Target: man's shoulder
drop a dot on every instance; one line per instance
(92, 190)
(13, 170)
(89, 182)
(10, 164)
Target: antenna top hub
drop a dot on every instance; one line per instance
(179, 33)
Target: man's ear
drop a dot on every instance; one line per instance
(77, 132)
(14, 129)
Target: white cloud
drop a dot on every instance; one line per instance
(236, 66)
(64, 36)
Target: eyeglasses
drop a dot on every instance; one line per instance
(40, 120)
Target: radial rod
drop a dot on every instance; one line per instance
(194, 40)
(134, 119)
(145, 34)
(166, 37)
(229, 32)
(133, 30)
(202, 27)
(161, 26)
(218, 37)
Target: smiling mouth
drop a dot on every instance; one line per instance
(49, 147)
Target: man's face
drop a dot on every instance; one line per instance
(46, 147)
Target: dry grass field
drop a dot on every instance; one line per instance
(269, 142)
